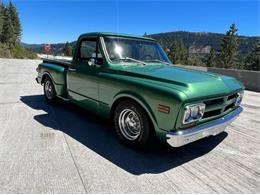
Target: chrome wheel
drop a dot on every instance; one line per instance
(129, 124)
(48, 89)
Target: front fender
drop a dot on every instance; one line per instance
(138, 98)
(149, 94)
(160, 133)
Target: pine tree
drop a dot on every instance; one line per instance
(195, 60)
(67, 49)
(15, 22)
(8, 35)
(253, 59)
(178, 53)
(174, 52)
(229, 48)
(1, 18)
(211, 61)
(183, 53)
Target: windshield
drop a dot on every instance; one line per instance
(134, 51)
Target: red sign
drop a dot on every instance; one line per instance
(47, 48)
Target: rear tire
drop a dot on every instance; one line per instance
(49, 90)
(132, 124)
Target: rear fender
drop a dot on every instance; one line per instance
(59, 87)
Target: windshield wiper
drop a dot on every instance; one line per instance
(160, 61)
(134, 60)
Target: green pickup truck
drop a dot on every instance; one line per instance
(130, 80)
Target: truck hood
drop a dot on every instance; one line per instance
(193, 83)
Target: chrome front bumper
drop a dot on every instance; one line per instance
(185, 136)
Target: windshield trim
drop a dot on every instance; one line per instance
(103, 44)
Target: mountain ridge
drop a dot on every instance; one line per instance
(195, 40)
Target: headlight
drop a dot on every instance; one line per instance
(239, 98)
(193, 113)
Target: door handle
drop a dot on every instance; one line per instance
(72, 69)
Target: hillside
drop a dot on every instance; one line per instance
(200, 42)
(38, 48)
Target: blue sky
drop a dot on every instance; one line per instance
(63, 20)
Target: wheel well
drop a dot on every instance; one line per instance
(112, 110)
(128, 98)
(43, 78)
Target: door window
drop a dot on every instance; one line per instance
(90, 51)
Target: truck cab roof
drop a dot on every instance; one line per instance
(115, 34)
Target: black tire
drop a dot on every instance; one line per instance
(49, 90)
(143, 138)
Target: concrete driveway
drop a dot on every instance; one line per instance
(65, 149)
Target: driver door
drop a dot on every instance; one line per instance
(83, 75)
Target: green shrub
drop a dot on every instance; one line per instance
(5, 51)
(17, 52)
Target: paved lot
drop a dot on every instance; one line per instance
(64, 149)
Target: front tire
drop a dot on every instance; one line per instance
(132, 124)
(49, 90)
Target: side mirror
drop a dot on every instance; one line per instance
(91, 62)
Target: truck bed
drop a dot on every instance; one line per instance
(64, 63)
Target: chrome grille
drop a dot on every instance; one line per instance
(220, 105)
(214, 101)
(232, 96)
(212, 113)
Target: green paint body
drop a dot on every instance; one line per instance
(99, 88)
